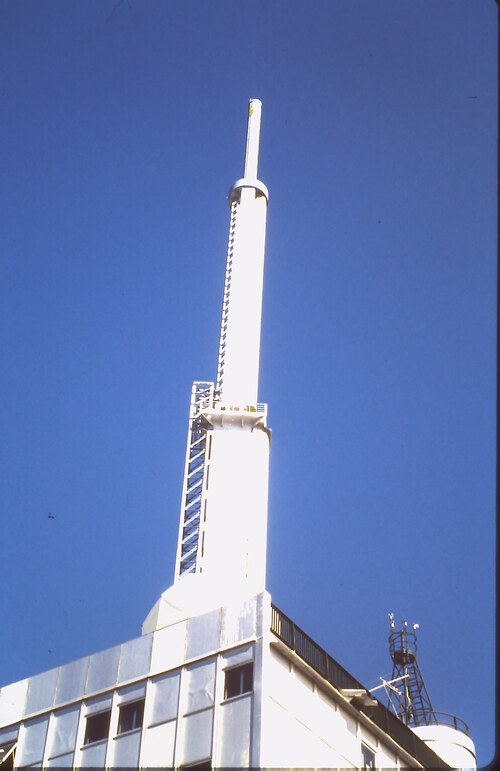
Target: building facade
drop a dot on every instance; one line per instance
(237, 686)
(219, 677)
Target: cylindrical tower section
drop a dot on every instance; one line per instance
(238, 370)
(238, 365)
(234, 522)
(253, 136)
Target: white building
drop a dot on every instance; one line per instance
(219, 677)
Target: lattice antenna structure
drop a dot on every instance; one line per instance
(415, 707)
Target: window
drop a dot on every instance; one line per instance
(97, 727)
(131, 716)
(367, 757)
(238, 680)
(7, 754)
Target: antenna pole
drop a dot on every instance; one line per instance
(253, 135)
(238, 361)
(221, 435)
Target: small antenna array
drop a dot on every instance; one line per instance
(410, 701)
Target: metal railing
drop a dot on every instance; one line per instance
(206, 398)
(213, 405)
(221, 407)
(305, 647)
(326, 666)
(446, 718)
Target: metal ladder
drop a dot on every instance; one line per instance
(192, 497)
(227, 292)
(420, 705)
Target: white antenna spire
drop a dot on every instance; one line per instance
(228, 439)
(253, 136)
(238, 364)
(221, 551)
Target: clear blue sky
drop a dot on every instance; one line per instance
(122, 128)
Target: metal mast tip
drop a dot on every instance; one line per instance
(253, 134)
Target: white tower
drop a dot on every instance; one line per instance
(220, 677)
(221, 552)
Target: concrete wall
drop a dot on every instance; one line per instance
(304, 726)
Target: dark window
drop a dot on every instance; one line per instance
(97, 727)
(131, 716)
(204, 765)
(7, 754)
(368, 757)
(238, 680)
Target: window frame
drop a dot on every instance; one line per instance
(231, 671)
(93, 716)
(365, 748)
(126, 705)
(9, 753)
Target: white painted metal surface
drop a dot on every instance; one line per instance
(238, 366)
(454, 747)
(223, 522)
(289, 716)
(235, 531)
(306, 726)
(253, 137)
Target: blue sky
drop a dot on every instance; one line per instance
(123, 127)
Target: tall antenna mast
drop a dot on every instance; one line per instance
(253, 136)
(223, 523)
(239, 346)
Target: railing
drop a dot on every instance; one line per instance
(260, 407)
(202, 394)
(206, 398)
(403, 646)
(317, 658)
(446, 718)
(305, 647)
(215, 406)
